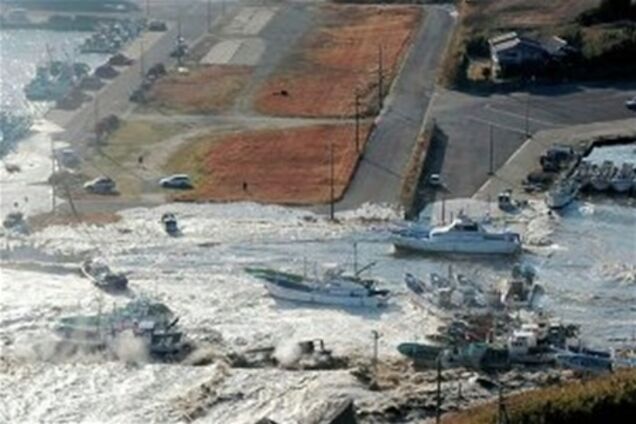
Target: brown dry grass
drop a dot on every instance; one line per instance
(339, 56)
(205, 89)
(288, 166)
(524, 13)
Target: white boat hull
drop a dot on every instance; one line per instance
(481, 247)
(321, 297)
(558, 202)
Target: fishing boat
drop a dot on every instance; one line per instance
(623, 180)
(102, 276)
(521, 291)
(422, 354)
(149, 322)
(13, 127)
(333, 288)
(562, 194)
(603, 175)
(463, 236)
(585, 360)
(442, 295)
(478, 356)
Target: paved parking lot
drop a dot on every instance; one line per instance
(468, 120)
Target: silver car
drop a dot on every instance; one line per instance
(101, 185)
(181, 181)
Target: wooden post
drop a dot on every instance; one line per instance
(438, 397)
(376, 336)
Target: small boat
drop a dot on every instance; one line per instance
(170, 224)
(331, 289)
(443, 295)
(562, 194)
(478, 356)
(603, 175)
(426, 355)
(102, 276)
(15, 221)
(463, 236)
(521, 291)
(585, 360)
(623, 180)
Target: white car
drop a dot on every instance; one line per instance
(176, 181)
(434, 180)
(100, 185)
(631, 103)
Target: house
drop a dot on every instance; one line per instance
(512, 53)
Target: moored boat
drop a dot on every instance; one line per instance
(623, 180)
(462, 236)
(521, 291)
(422, 354)
(562, 194)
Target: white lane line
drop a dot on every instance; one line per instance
(520, 116)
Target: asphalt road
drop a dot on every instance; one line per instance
(467, 121)
(379, 176)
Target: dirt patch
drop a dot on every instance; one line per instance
(41, 221)
(339, 56)
(288, 166)
(204, 89)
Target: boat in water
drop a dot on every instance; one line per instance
(13, 127)
(55, 80)
(102, 276)
(602, 176)
(624, 178)
(169, 221)
(463, 236)
(443, 296)
(422, 354)
(562, 194)
(521, 290)
(149, 322)
(333, 288)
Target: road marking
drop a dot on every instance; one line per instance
(520, 116)
(494, 124)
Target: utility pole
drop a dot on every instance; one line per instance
(53, 175)
(331, 182)
(357, 112)
(96, 119)
(380, 77)
(438, 397)
(142, 67)
(376, 336)
(209, 15)
(491, 169)
(502, 412)
(528, 115)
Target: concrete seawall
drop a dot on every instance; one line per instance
(526, 159)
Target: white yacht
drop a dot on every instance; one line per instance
(561, 194)
(463, 235)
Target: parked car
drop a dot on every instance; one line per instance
(176, 181)
(157, 26)
(631, 103)
(101, 185)
(435, 180)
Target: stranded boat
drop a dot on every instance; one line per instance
(562, 194)
(442, 295)
(102, 276)
(333, 288)
(463, 236)
(422, 354)
(521, 291)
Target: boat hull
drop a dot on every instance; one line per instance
(323, 297)
(493, 247)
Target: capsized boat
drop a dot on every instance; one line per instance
(562, 194)
(333, 288)
(152, 323)
(463, 235)
(102, 276)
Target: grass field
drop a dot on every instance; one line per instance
(205, 89)
(289, 166)
(339, 56)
